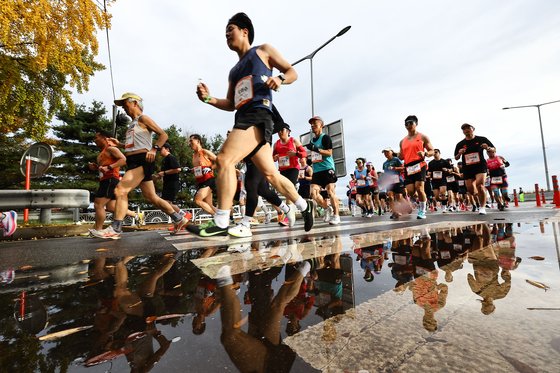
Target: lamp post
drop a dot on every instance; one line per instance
(310, 58)
(538, 106)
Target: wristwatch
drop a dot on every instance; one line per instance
(282, 78)
(156, 147)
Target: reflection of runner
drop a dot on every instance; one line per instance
(250, 93)
(8, 223)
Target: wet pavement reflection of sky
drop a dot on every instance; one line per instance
(443, 297)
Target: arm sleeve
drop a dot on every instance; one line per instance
(301, 152)
(327, 142)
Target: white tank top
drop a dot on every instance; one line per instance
(137, 137)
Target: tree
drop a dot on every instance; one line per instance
(46, 46)
(11, 148)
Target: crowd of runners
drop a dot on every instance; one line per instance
(304, 174)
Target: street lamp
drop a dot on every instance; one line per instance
(310, 58)
(538, 106)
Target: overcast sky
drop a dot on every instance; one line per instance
(446, 62)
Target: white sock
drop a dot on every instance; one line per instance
(422, 206)
(285, 208)
(222, 218)
(246, 221)
(301, 204)
(303, 268)
(242, 210)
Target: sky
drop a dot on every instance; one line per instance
(447, 62)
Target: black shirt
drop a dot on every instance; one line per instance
(473, 146)
(170, 163)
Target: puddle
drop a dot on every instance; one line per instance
(446, 297)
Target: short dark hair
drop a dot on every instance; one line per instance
(411, 118)
(196, 136)
(437, 150)
(103, 133)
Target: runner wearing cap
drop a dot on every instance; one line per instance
(324, 175)
(287, 152)
(414, 148)
(437, 169)
(304, 178)
(471, 151)
(374, 187)
(363, 188)
(498, 177)
(140, 157)
(392, 180)
(250, 94)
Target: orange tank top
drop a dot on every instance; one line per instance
(104, 159)
(410, 149)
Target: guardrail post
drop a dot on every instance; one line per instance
(556, 190)
(45, 216)
(537, 196)
(542, 195)
(515, 199)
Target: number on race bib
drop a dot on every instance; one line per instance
(450, 179)
(472, 158)
(316, 157)
(197, 171)
(414, 169)
(284, 161)
(496, 180)
(437, 174)
(243, 91)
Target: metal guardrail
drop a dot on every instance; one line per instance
(43, 198)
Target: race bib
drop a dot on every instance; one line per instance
(467, 241)
(197, 171)
(301, 174)
(361, 182)
(243, 91)
(284, 161)
(450, 179)
(129, 142)
(316, 157)
(445, 254)
(496, 180)
(411, 170)
(472, 158)
(458, 247)
(461, 182)
(393, 179)
(437, 174)
(504, 244)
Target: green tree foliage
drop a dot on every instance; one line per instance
(46, 47)
(12, 148)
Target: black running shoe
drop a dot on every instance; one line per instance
(307, 214)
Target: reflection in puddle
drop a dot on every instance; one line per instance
(448, 296)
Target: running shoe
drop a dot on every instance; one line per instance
(210, 229)
(379, 211)
(335, 220)
(267, 217)
(473, 208)
(240, 230)
(8, 224)
(369, 215)
(308, 217)
(292, 216)
(501, 207)
(328, 214)
(107, 233)
(281, 217)
(285, 222)
(482, 211)
(444, 209)
(180, 225)
(421, 215)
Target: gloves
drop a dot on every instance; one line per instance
(312, 147)
(206, 170)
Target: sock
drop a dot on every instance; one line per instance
(285, 208)
(301, 204)
(222, 218)
(422, 206)
(246, 221)
(117, 225)
(303, 268)
(260, 202)
(182, 213)
(242, 210)
(223, 276)
(176, 217)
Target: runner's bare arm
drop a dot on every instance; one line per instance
(116, 153)
(273, 59)
(152, 126)
(226, 104)
(428, 146)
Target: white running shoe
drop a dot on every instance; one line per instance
(267, 217)
(328, 214)
(107, 233)
(240, 230)
(335, 220)
(482, 211)
(292, 216)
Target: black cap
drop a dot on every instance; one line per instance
(242, 21)
(465, 125)
(167, 145)
(286, 126)
(411, 118)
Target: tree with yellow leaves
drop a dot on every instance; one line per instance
(47, 48)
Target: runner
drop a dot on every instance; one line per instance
(363, 189)
(498, 177)
(250, 93)
(374, 188)
(324, 175)
(352, 193)
(140, 157)
(471, 151)
(414, 148)
(170, 169)
(8, 222)
(287, 152)
(304, 178)
(452, 185)
(392, 181)
(109, 161)
(438, 171)
(203, 161)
